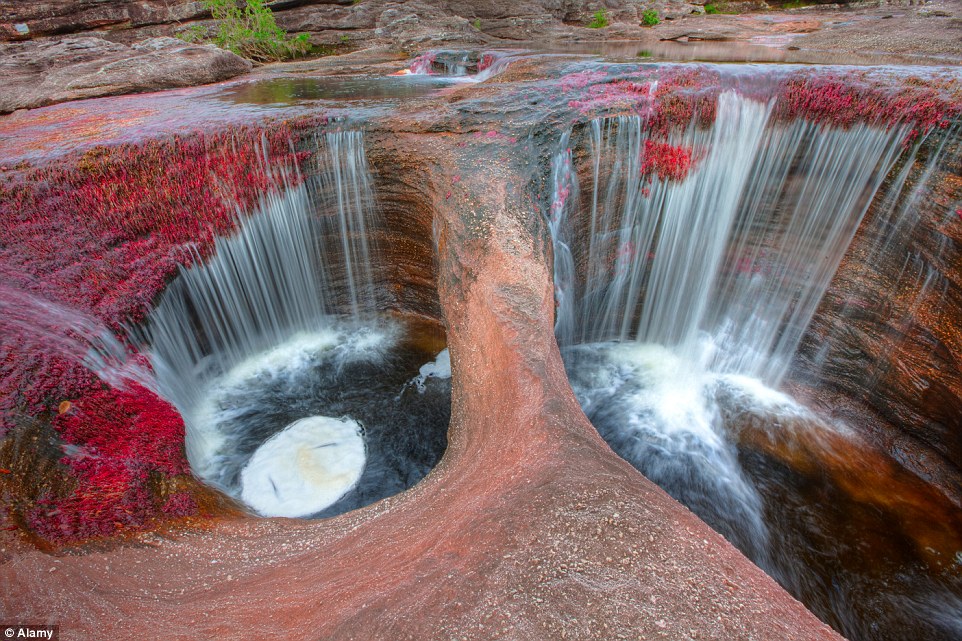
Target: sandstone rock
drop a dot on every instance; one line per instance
(410, 24)
(35, 74)
(51, 17)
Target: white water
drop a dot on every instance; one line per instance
(266, 304)
(727, 266)
(706, 286)
(439, 368)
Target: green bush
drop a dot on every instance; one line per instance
(649, 18)
(599, 20)
(252, 32)
(193, 34)
(711, 9)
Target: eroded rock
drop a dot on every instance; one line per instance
(40, 73)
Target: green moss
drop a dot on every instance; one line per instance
(599, 20)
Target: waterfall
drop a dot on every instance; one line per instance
(278, 279)
(344, 186)
(727, 265)
(686, 273)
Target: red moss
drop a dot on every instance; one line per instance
(180, 504)
(103, 233)
(486, 61)
(667, 162)
(115, 440)
(844, 101)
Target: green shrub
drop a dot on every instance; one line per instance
(252, 32)
(477, 24)
(599, 20)
(711, 9)
(194, 33)
(649, 18)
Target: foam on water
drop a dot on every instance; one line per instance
(219, 410)
(662, 415)
(305, 468)
(440, 368)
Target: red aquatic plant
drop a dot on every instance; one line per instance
(103, 232)
(114, 441)
(844, 101)
(667, 162)
(671, 98)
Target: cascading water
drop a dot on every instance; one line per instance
(686, 273)
(728, 265)
(272, 353)
(36, 324)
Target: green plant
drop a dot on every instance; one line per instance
(649, 18)
(252, 32)
(477, 24)
(193, 33)
(711, 9)
(599, 20)
(644, 53)
(344, 38)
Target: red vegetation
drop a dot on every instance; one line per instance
(115, 440)
(684, 96)
(103, 233)
(486, 61)
(675, 99)
(618, 95)
(667, 162)
(423, 63)
(842, 102)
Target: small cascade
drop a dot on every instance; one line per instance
(272, 293)
(464, 66)
(728, 264)
(344, 191)
(891, 232)
(564, 189)
(43, 329)
(422, 65)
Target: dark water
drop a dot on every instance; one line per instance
(404, 428)
(286, 91)
(868, 547)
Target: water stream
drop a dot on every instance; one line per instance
(682, 296)
(288, 381)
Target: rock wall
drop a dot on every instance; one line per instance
(330, 22)
(888, 336)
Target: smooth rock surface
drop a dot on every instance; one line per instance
(34, 74)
